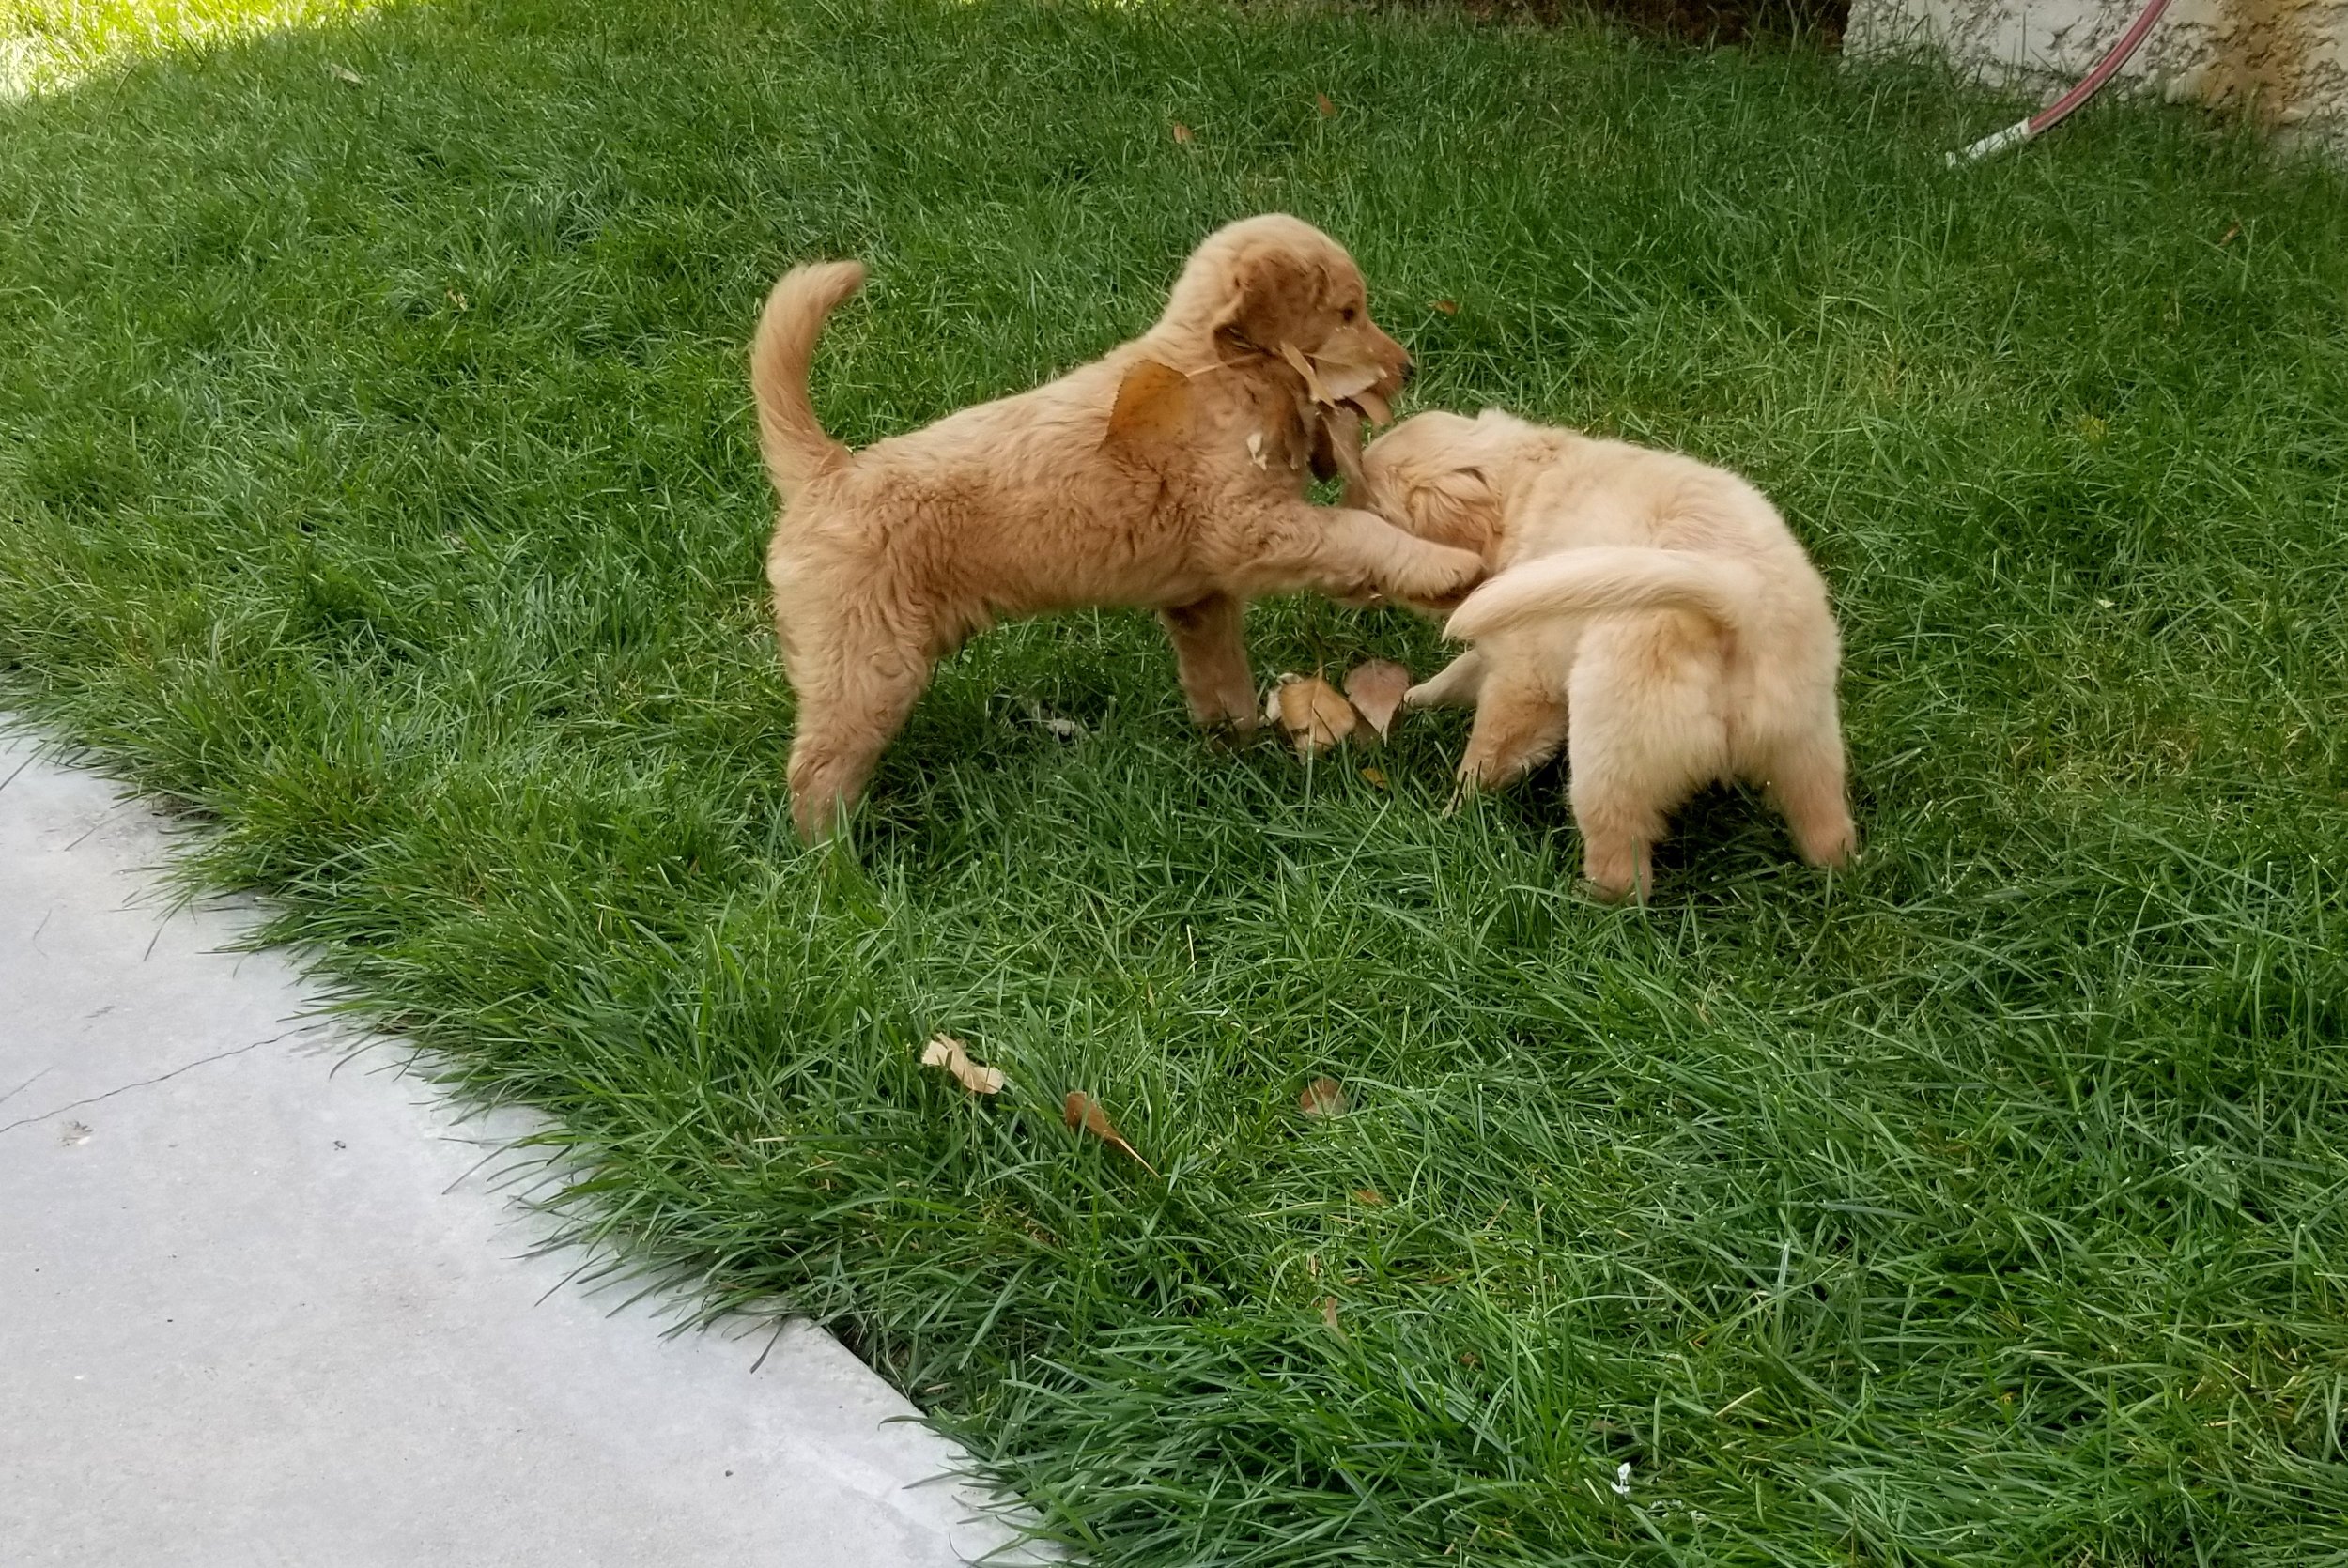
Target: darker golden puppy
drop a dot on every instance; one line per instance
(1169, 474)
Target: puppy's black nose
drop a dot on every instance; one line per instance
(1409, 368)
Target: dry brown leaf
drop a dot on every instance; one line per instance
(1376, 775)
(1313, 714)
(1280, 683)
(1153, 407)
(1181, 132)
(1334, 382)
(948, 1053)
(1328, 110)
(1449, 307)
(1303, 365)
(1370, 1196)
(1080, 1110)
(1329, 1315)
(1376, 688)
(1343, 379)
(1322, 1097)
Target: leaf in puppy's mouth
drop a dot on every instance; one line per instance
(1339, 381)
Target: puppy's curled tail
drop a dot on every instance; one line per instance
(1609, 578)
(795, 445)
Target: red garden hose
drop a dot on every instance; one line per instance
(2038, 123)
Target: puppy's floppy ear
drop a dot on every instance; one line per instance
(1275, 299)
(1153, 410)
(1457, 506)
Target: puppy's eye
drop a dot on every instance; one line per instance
(1349, 313)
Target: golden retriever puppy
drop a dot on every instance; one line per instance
(1650, 613)
(1170, 475)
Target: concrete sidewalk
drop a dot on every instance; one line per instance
(259, 1305)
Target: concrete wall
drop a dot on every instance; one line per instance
(2282, 62)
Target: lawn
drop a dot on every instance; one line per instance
(377, 484)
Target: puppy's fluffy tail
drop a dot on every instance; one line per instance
(795, 445)
(1610, 577)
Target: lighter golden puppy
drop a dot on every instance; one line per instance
(1648, 612)
(1169, 474)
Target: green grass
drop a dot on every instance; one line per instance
(375, 481)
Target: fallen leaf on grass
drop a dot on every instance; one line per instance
(1181, 132)
(948, 1053)
(1329, 1315)
(1322, 1097)
(344, 74)
(1311, 712)
(1370, 1196)
(1448, 307)
(1376, 688)
(1328, 110)
(1376, 775)
(1081, 1110)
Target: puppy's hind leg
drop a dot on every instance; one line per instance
(1520, 724)
(1455, 685)
(845, 725)
(1646, 731)
(1807, 783)
(1211, 652)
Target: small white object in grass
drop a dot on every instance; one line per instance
(2105, 603)
(1990, 146)
(1060, 729)
(1621, 1483)
(344, 74)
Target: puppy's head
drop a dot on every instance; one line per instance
(1441, 476)
(1263, 283)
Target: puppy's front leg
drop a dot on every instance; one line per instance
(1455, 685)
(1344, 552)
(1211, 652)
